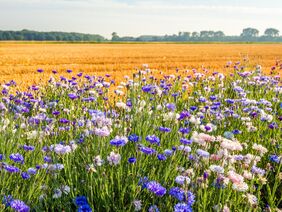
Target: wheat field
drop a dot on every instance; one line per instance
(19, 61)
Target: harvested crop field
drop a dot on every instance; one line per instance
(20, 61)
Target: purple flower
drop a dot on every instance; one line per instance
(168, 152)
(31, 171)
(184, 130)
(170, 106)
(274, 158)
(81, 200)
(147, 88)
(118, 141)
(164, 129)
(147, 150)
(257, 170)
(182, 207)
(153, 139)
(28, 148)
(185, 141)
(153, 208)
(177, 193)
(12, 169)
(64, 121)
(19, 206)
(56, 113)
(17, 157)
(25, 175)
(193, 108)
(132, 160)
(39, 70)
(190, 198)
(203, 153)
(183, 115)
(156, 188)
(133, 138)
(72, 96)
(161, 157)
(69, 71)
(7, 200)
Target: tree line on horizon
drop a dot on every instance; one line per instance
(247, 35)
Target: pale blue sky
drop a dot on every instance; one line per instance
(136, 17)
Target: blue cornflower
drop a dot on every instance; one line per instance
(147, 88)
(161, 157)
(118, 141)
(182, 207)
(168, 152)
(132, 160)
(7, 200)
(170, 106)
(85, 208)
(81, 200)
(274, 158)
(133, 138)
(147, 150)
(153, 208)
(47, 159)
(32, 171)
(190, 198)
(28, 148)
(235, 132)
(184, 130)
(165, 129)
(1, 156)
(19, 206)
(17, 157)
(143, 182)
(193, 108)
(177, 193)
(203, 153)
(184, 114)
(185, 141)
(72, 96)
(153, 139)
(156, 188)
(11, 169)
(25, 175)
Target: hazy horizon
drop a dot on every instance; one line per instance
(134, 17)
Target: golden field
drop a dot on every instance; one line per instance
(20, 61)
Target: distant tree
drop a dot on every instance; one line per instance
(219, 34)
(250, 32)
(204, 34)
(195, 34)
(115, 36)
(271, 32)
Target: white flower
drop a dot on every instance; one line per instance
(138, 205)
(217, 169)
(231, 145)
(252, 199)
(114, 158)
(262, 150)
(65, 189)
(182, 179)
(32, 134)
(240, 186)
(62, 149)
(98, 160)
(57, 193)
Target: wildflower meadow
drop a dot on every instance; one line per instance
(190, 141)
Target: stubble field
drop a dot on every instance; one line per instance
(20, 61)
